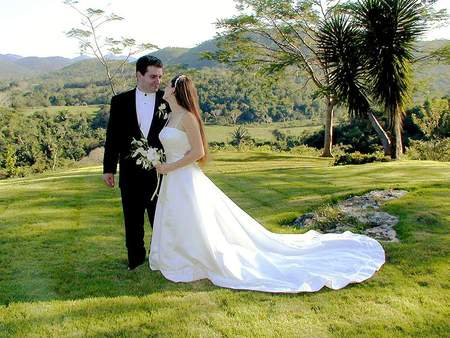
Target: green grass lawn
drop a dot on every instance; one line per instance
(63, 260)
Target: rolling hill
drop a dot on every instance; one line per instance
(18, 67)
(431, 78)
(11, 70)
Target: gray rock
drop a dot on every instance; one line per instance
(305, 220)
(382, 232)
(342, 228)
(365, 210)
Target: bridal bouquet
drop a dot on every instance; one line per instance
(147, 157)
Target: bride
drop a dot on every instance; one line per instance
(200, 233)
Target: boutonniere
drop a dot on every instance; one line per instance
(162, 113)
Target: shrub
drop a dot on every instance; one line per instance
(303, 150)
(358, 135)
(358, 158)
(328, 217)
(279, 135)
(240, 136)
(220, 146)
(11, 169)
(432, 118)
(435, 150)
(101, 118)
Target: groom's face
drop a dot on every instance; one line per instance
(151, 81)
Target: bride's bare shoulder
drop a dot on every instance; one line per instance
(189, 120)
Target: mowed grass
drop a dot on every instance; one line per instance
(63, 260)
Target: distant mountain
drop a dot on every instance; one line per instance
(11, 70)
(192, 57)
(169, 55)
(189, 57)
(87, 69)
(81, 58)
(16, 67)
(431, 44)
(43, 64)
(9, 57)
(111, 56)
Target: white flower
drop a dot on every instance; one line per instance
(162, 111)
(151, 154)
(139, 151)
(146, 156)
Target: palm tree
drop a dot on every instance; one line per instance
(340, 47)
(239, 136)
(388, 30)
(369, 53)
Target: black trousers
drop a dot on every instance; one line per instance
(135, 202)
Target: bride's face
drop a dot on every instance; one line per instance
(168, 92)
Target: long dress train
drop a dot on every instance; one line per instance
(199, 233)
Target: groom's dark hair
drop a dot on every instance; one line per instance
(147, 60)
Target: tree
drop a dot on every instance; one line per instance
(442, 54)
(101, 118)
(389, 29)
(433, 118)
(273, 35)
(234, 115)
(239, 136)
(341, 47)
(369, 50)
(93, 43)
(11, 159)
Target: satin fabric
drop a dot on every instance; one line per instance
(200, 233)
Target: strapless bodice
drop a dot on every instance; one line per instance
(175, 143)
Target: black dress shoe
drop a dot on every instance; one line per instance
(135, 264)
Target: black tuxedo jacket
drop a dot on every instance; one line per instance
(122, 128)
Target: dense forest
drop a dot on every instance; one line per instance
(225, 96)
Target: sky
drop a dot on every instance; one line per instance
(37, 27)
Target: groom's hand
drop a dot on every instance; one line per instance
(109, 179)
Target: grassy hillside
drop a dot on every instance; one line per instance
(169, 54)
(192, 57)
(25, 67)
(43, 64)
(63, 261)
(9, 69)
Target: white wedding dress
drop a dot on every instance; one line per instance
(199, 233)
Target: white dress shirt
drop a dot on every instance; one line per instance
(145, 107)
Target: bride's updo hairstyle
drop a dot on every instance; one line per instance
(186, 96)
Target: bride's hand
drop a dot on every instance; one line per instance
(163, 168)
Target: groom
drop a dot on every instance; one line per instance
(137, 113)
